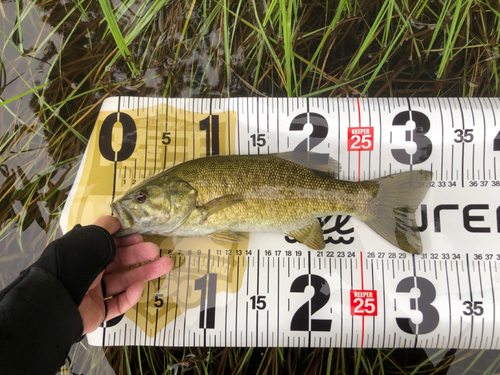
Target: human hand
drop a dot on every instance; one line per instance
(124, 285)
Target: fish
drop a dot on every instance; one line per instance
(224, 197)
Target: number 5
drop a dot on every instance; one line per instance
(369, 305)
(366, 142)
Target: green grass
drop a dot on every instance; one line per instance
(59, 60)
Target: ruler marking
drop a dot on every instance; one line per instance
(246, 311)
(480, 279)
(256, 310)
(237, 294)
(471, 299)
(468, 275)
(482, 335)
(238, 124)
(383, 305)
(248, 125)
(415, 282)
(494, 306)
(187, 299)
(463, 143)
(341, 302)
(277, 128)
(480, 101)
(278, 308)
(166, 131)
(473, 160)
(352, 287)
(258, 126)
(146, 138)
(198, 103)
(458, 283)
(408, 132)
(269, 273)
(348, 172)
(175, 138)
(227, 296)
(156, 138)
(449, 304)
(176, 305)
(167, 310)
(442, 137)
(156, 319)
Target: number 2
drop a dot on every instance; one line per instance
(319, 133)
(302, 317)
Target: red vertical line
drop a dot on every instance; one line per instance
(362, 288)
(359, 152)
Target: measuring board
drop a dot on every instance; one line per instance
(270, 290)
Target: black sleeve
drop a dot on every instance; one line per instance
(39, 318)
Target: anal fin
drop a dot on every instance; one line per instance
(310, 235)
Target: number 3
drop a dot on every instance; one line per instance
(427, 295)
(424, 144)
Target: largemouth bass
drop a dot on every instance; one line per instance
(224, 196)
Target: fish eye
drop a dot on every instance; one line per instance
(140, 197)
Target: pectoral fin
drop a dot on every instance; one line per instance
(217, 204)
(310, 235)
(227, 235)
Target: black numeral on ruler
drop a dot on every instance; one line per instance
(302, 319)
(208, 287)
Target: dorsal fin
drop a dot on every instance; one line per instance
(322, 163)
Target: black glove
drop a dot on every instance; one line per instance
(39, 318)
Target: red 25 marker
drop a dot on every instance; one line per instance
(364, 302)
(360, 139)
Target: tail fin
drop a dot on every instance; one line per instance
(392, 212)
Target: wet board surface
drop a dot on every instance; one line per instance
(270, 290)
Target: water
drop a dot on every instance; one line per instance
(66, 54)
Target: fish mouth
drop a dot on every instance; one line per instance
(127, 219)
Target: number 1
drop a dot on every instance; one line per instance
(205, 125)
(207, 301)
